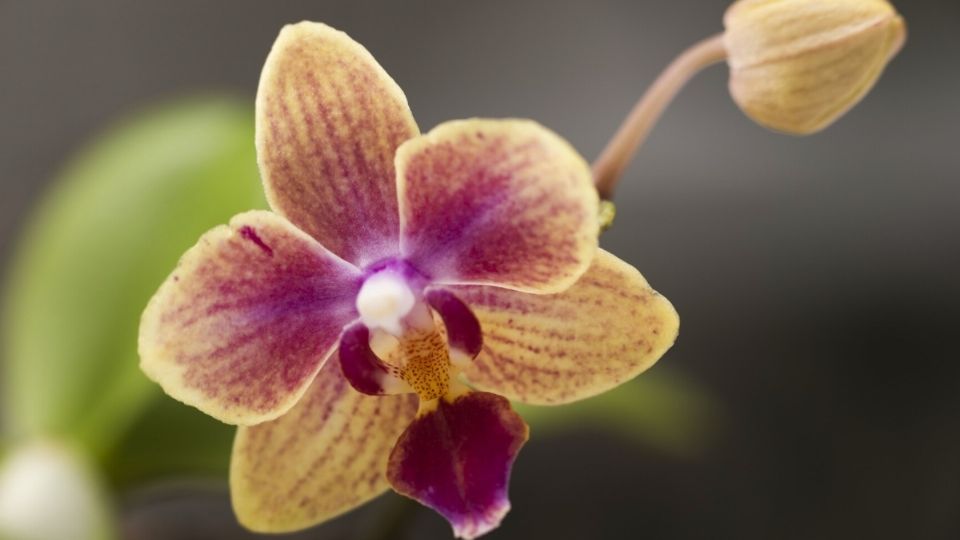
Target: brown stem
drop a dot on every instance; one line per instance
(634, 130)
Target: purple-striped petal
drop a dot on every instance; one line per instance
(365, 371)
(551, 349)
(462, 327)
(247, 318)
(497, 202)
(324, 457)
(329, 121)
(456, 459)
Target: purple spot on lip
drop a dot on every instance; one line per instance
(247, 232)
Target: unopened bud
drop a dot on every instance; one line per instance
(47, 492)
(798, 65)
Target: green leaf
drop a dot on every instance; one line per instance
(170, 440)
(104, 238)
(660, 409)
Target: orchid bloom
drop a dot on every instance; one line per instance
(341, 330)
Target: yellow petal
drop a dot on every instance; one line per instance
(798, 65)
(551, 349)
(326, 456)
(497, 202)
(247, 318)
(329, 121)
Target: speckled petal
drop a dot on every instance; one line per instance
(247, 318)
(497, 202)
(606, 329)
(329, 121)
(456, 459)
(324, 457)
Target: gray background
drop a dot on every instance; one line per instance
(816, 278)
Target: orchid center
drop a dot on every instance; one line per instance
(384, 300)
(403, 333)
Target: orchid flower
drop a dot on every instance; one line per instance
(371, 330)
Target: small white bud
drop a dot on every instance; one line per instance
(47, 493)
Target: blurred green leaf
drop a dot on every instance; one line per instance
(106, 235)
(170, 440)
(660, 409)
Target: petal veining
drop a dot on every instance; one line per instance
(456, 459)
(247, 318)
(329, 121)
(498, 202)
(604, 330)
(324, 457)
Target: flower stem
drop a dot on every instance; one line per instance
(634, 130)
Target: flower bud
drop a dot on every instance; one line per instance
(48, 491)
(798, 65)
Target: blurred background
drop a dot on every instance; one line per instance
(815, 388)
